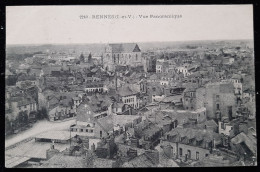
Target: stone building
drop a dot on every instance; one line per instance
(194, 144)
(220, 100)
(122, 54)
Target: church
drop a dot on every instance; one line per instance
(125, 54)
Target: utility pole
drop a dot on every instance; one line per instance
(70, 136)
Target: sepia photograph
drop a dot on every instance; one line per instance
(130, 86)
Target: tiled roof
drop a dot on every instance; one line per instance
(125, 48)
(82, 114)
(250, 142)
(103, 163)
(140, 161)
(64, 161)
(106, 123)
(195, 133)
(124, 119)
(126, 91)
(22, 101)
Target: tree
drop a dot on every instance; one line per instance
(44, 113)
(11, 80)
(22, 118)
(81, 57)
(89, 58)
(8, 127)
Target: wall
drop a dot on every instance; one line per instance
(226, 130)
(132, 101)
(200, 98)
(226, 98)
(193, 149)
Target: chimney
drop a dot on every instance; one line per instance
(214, 144)
(93, 147)
(153, 155)
(116, 80)
(51, 152)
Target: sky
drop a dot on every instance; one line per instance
(62, 24)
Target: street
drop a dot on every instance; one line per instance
(38, 127)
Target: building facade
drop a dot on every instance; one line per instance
(122, 54)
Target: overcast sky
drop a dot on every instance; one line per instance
(61, 24)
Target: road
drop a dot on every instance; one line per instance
(38, 127)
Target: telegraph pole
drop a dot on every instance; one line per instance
(70, 136)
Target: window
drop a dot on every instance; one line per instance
(180, 151)
(197, 155)
(206, 155)
(189, 154)
(217, 97)
(217, 106)
(100, 133)
(20, 108)
(81, 130)
(222, 125)
(91, 131)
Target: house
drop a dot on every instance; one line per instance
(94, 87)
(88, 124)
(129, 96)
(199, 115)
(183, 70)
(189, 98)
(210, 125)
(187, 143)
(106, 148)
(26, 80)
(153, 78)
(220, 100)
(162, 66)
(148, 134)
(244, 145)
(213, 160)
(76, 101)
(149, 158)
(164, 121)
(63, 110)
(22, 104)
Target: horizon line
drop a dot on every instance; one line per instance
(39, 44)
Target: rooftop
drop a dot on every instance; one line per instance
(57, 135)
(125, 48)
(33, 149)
